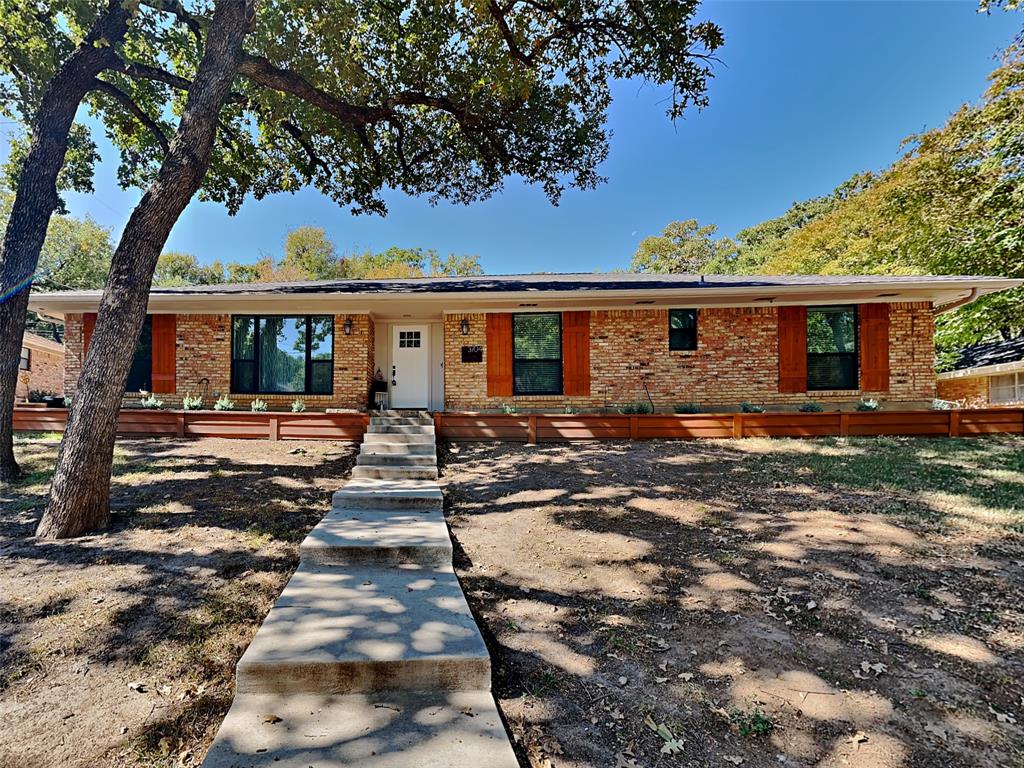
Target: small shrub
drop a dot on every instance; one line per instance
(571, 410)
(752, 723)
(151, 402)
(868, 405)
(298, 405)
(942, 405)
(224, 403)
(636, 408)
(748, 407)
(811, 407)
(190, 403)
(258, 405)
(39, 395)
(67, 401)
(689, 408)
(508, 409)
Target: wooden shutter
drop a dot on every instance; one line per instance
(88, 325)
(792, 349)
(164, 342)
(874, 347)
(499, 355)
(576, 353)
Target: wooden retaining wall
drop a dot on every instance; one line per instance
(269, 425)
(546, 428)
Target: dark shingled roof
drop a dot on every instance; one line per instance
(991, 353)
(610, 281)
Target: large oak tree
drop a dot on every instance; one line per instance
(357, 97)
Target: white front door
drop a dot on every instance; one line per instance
(410, 366)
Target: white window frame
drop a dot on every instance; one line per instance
(1017, 388)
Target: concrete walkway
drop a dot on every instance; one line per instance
(370, 657)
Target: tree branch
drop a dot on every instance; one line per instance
(506, 32)
(147, 72)
(262, 72)
(128, 103)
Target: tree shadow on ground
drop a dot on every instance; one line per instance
(204, 536)
(774, 601)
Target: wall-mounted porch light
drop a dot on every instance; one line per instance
(464, 325)
(347, 327)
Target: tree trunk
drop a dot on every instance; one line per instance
(80, 492)
(36, 198)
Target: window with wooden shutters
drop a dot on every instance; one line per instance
(831, 348)
(537, 354)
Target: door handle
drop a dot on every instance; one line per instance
(394, 376)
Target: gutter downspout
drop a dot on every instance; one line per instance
(958, 303)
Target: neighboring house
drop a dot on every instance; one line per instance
(539, 342)
(986, 374)
(40, 368)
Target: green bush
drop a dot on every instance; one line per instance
(508, 409)
(258, 405)
(689, 408)
(298, 405)
(151, 403)
(868, 405)
(636, 408)
(190, 403)
(748, 407)
(224, 403)
(811, 407)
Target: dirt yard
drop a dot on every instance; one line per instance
(119, 649)
(758, 603)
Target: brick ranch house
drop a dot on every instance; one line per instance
(991, 373)
(40, 367)
(538, 342)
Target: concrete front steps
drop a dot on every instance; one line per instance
(370, 657)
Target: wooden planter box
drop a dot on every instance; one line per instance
(268, 425)
(546, 428)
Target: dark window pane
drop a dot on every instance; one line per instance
(682, 329)
(538, 337)
(140, 375)
(836, 371)
(242, 344)
(322, 374)
(321, 343)
(25, 363)
(832, 348)
(537, 354)
(832, 329)
(538, 377)
(244, 376)
(282, 354)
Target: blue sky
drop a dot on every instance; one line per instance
(808, 94)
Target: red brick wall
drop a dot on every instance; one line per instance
(736, 360)
(203, 351)
(970, 392)
(45, 374)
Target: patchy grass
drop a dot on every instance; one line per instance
(119, 649)
(758, 602)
